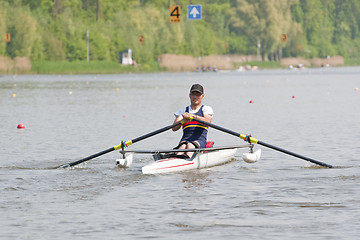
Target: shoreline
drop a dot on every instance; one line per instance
(172, 63)
(243, 70)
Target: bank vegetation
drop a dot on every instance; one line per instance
(45, 31)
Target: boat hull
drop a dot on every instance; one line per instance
(200, 160)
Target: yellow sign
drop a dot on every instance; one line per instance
(141, 38)
(7, 37)
(175, 13)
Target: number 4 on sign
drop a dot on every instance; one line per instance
(175, 13)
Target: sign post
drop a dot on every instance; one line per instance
(87, 46)
(194, 12)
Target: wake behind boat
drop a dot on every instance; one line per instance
(166, 161)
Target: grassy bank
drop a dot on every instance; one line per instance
(264, 64)
(92, 67)
(108, 67)
(351, 62)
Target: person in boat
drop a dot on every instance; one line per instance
(194, 133)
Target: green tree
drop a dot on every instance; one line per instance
(22, 27)
(2, 29)
(317, 28)
(99, 46)
(52, 47)
(263, 20)
(238, 44)
(56, 29)
(346, 26)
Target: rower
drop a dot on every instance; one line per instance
(194, 133)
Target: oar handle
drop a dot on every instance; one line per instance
(242, 136)
(254, 140)
(156, 132)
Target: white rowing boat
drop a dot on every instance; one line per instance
(198, 160)
(167, 162)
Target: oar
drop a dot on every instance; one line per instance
(253, 140)
(118, 147)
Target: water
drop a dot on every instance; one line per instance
(279, 197)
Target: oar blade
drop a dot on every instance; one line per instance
(295, 154)
(119, 146)
(87, 158)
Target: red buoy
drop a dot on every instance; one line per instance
(21, 126)
(251, 101)
(293, 96)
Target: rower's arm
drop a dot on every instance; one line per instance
(177, 119)
(205, 118)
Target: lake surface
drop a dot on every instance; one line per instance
(70, 117)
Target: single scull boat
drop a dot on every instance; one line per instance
(166, 161)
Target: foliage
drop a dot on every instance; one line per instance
(55, 30)
(3, 28)
(93, 67)
(22, 27)
(265, 64)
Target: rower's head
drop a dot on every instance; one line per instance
(196, 94)
(197, 88)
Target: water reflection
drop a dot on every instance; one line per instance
(196, 179)
(277, 196)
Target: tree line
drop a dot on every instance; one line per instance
(55, 30)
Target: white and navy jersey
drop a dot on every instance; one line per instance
(206, 110)
(193, 130)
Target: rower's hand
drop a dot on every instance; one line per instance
(187, 116)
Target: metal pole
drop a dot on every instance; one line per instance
(258, 50)
(87, 46)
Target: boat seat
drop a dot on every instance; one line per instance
(209, 144)
(172, 155)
